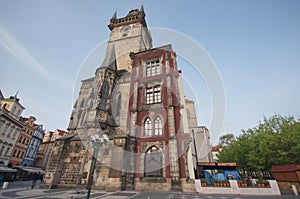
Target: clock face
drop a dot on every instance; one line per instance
(125, 29)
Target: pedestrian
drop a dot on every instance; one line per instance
(1, 178)
(41, 177)
(35, 177)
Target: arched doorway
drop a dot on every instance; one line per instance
(153, 163)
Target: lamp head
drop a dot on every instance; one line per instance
(103, 139)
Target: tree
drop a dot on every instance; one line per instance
(274, 141)
(226, 140)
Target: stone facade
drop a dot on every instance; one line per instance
(136, 98)
(191, 115)
(45, 149)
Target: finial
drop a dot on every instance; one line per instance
(142, 8)
(16, 94)
(115, 14)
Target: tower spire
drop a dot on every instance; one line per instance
(142, 8)
(114, 15)
(110, 59)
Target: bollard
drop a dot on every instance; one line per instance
(5, 184)
(295, 190)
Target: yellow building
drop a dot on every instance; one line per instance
(10, 125)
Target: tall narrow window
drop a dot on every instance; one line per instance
(82, 103)
(13, 109)
(157, 95)
(153, 95)
(118, 108)
(148, 127)
(153, 68)
(158, 126)
(104, 96)
(7, 151)
(149, 95)
(188, 113)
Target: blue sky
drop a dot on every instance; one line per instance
(255, 45)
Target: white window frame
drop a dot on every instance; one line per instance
(152, 67)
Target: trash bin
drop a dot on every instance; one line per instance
(5, 184)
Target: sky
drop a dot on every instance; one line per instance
(255, 45)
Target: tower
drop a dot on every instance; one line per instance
(129, 34)
(136, 98)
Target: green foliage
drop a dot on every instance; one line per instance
(226, 140)
(274, 141)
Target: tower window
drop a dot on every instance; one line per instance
(153, 95)
(155, 129)
(153, 68)
(104, 96)
(148, 127)
(158, 126)
(118, 108)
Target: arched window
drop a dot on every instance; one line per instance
(153, 162)
(148, 127)
(158, 126)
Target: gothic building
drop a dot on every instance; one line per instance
(136, 98)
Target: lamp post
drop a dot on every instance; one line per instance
(196, 155)
(96, 141)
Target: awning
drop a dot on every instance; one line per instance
(31, 169)
(7, 169)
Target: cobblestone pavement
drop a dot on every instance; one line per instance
(73, 194)
(22, 190)
(62, 194)
(170, 195)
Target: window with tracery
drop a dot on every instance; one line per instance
(153, 162)
(104, 96)
(148, 127)
(155, 128)
(158, 126)
(118, 108)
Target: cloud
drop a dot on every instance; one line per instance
(21, 53)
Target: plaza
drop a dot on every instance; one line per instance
(22, 190)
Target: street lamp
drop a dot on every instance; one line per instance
(96, 141)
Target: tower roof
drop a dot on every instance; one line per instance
(134, 16)
(110, 59)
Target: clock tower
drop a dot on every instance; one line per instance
(136, 98)
(128, 35)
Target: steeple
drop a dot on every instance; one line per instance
(110, 59)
